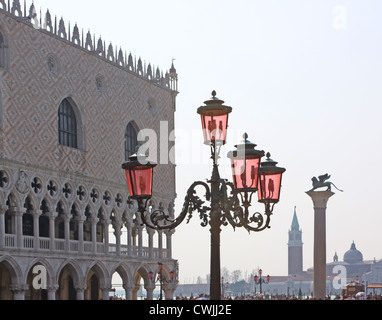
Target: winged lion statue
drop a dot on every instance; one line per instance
(322, 182)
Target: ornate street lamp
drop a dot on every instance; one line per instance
(161, 279)
(214, 120)
(260, 280)
(139, 174)
(250, 176)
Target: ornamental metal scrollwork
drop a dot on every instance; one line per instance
(159, 220)
(236, 211)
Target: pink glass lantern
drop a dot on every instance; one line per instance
(245, 166)
(270, 181)
(214, 120)
(139, 174)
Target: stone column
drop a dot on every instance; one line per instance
(169, 290)
(80, 293)
(320, 200)
(160, 244)
(150, 291)
(19, 212)
(3, 209)
(106, 293)
(67, 219)
(117, 233)
(129, 292)
(129, 239)
(80, 221)
(151, 233)
(52, 230)
(36, 228)
(52, 292)
(169, 243)
(140, 241)
(18, 292)
(94, 222)
(106, 235)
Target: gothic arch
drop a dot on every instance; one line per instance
(49, 270)
(34, 202)
(91, 208)
(74, 271)
(14, 270)
(131, 139)
(143, 270)
(101, 271)
(14, 201)
(47, 206)
(124, 272)
(79, 122)
(4, 50)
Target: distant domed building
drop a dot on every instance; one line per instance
(353, 255)
(352, 261)
(298, 280)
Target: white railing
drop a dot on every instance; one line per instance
(28, 242)
(74, 246)
(59, 245)
(100, 247)
(10, 240)
(88, 246)
(44, 244)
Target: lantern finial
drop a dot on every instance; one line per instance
(214, 93)
(245, 136)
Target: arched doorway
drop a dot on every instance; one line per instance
(66, 282)
(139, 288)
(10, 279)
(143, 286)
(28, 229)
(37, 287)
(94, 288)
(120, 282)
(44, 220)
(93, 291)
(5, 282)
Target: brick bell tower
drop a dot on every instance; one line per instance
(295, 247)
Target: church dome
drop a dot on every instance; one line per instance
(353, 255)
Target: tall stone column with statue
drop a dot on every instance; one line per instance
(320, 200)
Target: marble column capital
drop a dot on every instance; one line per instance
(320, 198)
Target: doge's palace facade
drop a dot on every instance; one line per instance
(70, 110)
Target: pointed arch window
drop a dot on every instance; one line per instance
(67, 125)
(131, 140)
(3, 52)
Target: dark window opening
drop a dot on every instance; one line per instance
(67, 125)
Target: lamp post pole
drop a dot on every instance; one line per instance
(260, 280)
(215, 230)
(250, 176)
(161, 278)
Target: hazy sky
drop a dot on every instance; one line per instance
(304, 78)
